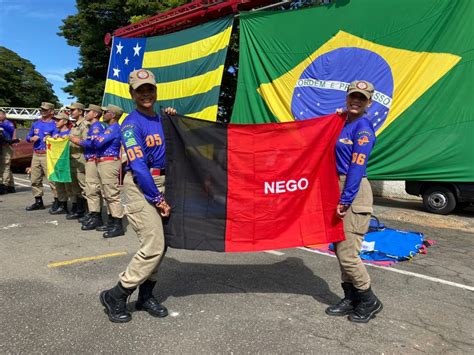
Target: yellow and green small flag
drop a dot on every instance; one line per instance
(57, 156)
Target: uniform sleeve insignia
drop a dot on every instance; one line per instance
(107, 131)
(345, 141)
(128, 133)
(363, 140)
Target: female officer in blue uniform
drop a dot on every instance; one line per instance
(143, 141)
(353, 148)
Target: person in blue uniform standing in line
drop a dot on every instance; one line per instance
(92, 190)
(63, 189)
(108, 149)
(7, 138)
(143, 140)
(353, 149)
(39, 131)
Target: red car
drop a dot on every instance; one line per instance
(22, 152)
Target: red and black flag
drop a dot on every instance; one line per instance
(252, 187)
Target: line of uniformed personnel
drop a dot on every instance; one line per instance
(95, 164)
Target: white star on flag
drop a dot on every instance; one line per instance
(119, 48)
(136, 50)
(376, 113)
(116, 71)
(126, 61)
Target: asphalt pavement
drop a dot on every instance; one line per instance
(268, 302)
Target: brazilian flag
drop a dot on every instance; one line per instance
(188, 67)
(418, 54)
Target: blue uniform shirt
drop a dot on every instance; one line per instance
(89, 148)
(143, 140)
(8, 129)
(353, 148)
(41, 129)
(107, 143)
(59, 134)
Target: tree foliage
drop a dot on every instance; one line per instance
(20, 84)
(86, 30)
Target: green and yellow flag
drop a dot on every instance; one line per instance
(57, 154)
(188, 66)
(418, 54)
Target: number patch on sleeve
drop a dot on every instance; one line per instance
(358, 159)
(134, 153)
(153, 140)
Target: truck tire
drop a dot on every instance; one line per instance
(439, 200)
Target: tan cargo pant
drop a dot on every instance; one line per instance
(63, 190)
(93, 188)
(356, 224)
(6, 176)
(78, 177)
(109, 179)
(39, 169)
(146, 222)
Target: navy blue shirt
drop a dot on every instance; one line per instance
(353, 149)
(144, 142)
(58, 134)
(43, 130)
(88, 144)
(8, 129)
(107, 142)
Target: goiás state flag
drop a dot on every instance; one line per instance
(238, 188)
(57, 158)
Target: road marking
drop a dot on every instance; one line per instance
(21, 179)
(274, 252)
(89, 258)
(399, 271)
(19, 184)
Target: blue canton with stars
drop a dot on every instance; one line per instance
(127, 56)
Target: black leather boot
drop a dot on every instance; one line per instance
(73, 210)
(147, 302)
(368, 307)
(116, 230)
(85, 218)
(62, 208)
(3, 189)
(11, 189)
(38, 205)
(55, 206)
(347, 304)
(109, 225)
(93, 222)
(115, 303)
(79, 211)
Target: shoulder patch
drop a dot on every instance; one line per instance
(345, 141)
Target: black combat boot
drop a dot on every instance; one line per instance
(78, 211)
(55, 206)
(94, 222)
(38, 205)
(367, 308)
(116, 230)
(147, 302)
(11, 189)
(347, 304)
(84, 219)
(115, 303)
(3, 189)
(73, 211)
(108, 226)
(62, 208)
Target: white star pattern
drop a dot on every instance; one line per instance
(298, 95)
(376, 113)
(301, 112)
(119, 48)
(136, 50)
(116, 71)
(318, 104)
(385, 112)
(126, 61)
